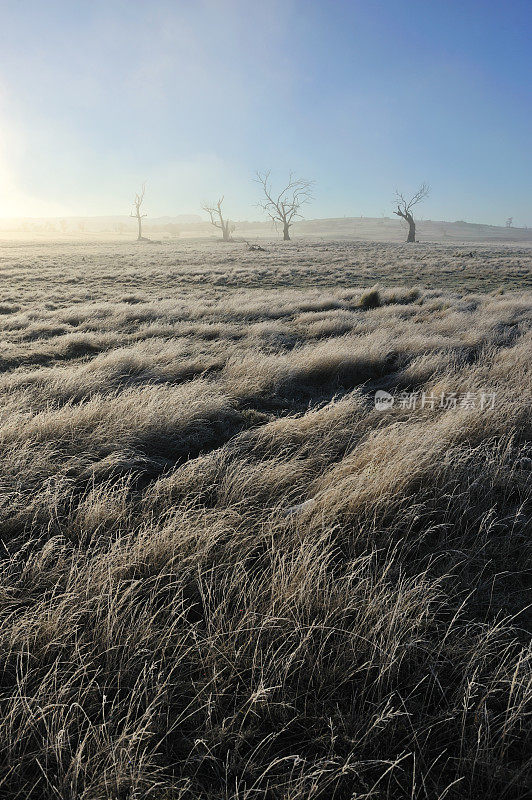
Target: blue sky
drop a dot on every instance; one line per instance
(193, 96)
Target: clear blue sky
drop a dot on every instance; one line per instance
(195, 95)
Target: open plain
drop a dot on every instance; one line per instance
(224, 572)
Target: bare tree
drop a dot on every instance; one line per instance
(217, 219)
(139, 198)
(405, 206)
(509, 222)
(284, 207)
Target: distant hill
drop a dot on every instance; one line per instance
(389, 229)
(392, 229)
(103, 223)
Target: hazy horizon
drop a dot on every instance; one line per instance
(196, 217)
(194, 97)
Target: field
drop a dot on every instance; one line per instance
(224, 572)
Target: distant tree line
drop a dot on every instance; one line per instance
(284, 206)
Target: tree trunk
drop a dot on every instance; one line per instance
(286, 235)
(411, 226)
(226, 234)
(139, 220)
(407, 216)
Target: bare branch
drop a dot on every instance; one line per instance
(405, 206)
(139, 199)
(211, 211)
(285, 206)
(214, 210)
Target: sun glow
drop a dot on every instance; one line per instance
(14, 201)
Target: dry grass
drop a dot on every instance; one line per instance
(224, 573)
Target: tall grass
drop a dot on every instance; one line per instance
(179, 622)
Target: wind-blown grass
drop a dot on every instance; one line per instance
(224, 573)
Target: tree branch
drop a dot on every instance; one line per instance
(286, 205)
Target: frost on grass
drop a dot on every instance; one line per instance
(225, 573)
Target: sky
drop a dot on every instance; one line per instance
(195, 96)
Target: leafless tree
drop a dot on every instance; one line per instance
(284, 207)
(509, 222)
(139, 198)
(405, 206)
(217, 219)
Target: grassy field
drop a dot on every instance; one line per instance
(225, 572)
